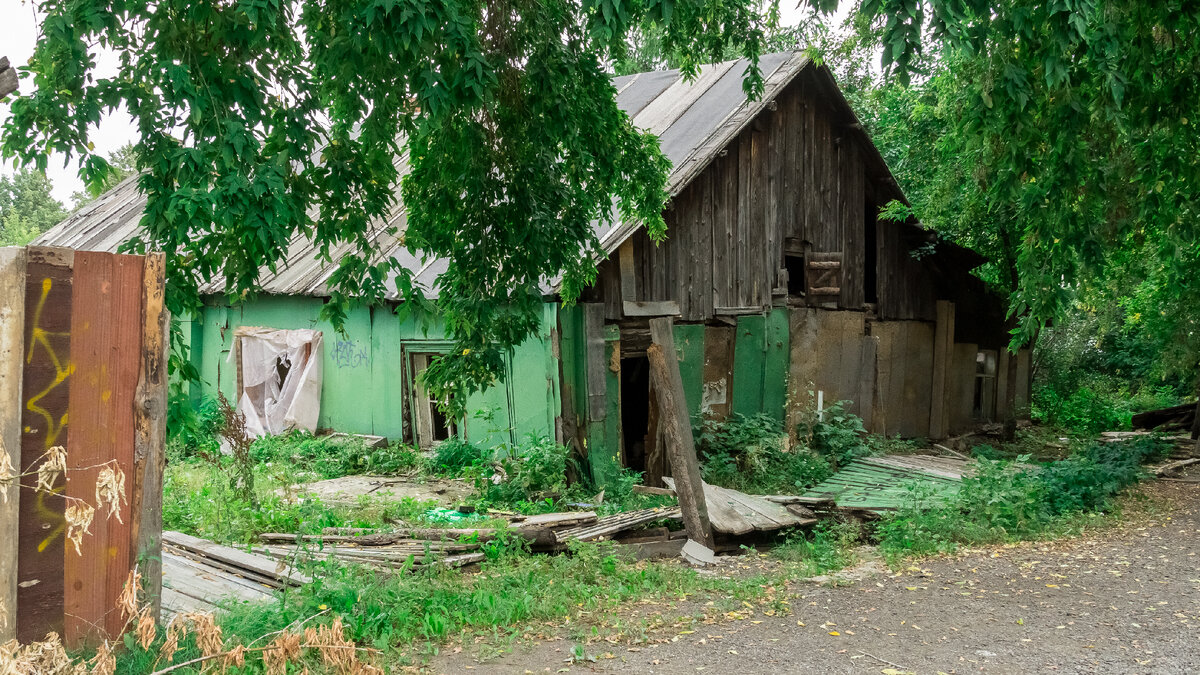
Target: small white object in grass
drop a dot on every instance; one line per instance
(697, 554)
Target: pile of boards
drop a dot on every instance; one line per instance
(201, 576)
(406, 548)
(871, 486)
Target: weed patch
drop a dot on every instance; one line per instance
(1010, 500)
(751, 454)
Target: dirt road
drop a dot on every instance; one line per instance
(1125, 600)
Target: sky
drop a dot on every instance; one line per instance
(18, 35)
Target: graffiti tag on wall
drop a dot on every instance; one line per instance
(349, 354)
(47, 373)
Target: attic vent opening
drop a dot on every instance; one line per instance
(794, 264)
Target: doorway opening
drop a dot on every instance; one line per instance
(635, 409)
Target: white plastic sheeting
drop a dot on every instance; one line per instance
(280, 378)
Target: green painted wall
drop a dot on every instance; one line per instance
(365, 382)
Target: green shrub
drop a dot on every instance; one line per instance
(191, 431)
(751, 454)
(455, 455)
(835, 433)
(333, 457)
(532, 472)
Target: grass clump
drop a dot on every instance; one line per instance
(334, 456)
(1009, 500)
(829, 548)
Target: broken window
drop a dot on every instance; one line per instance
(431, 426)
(278, 378)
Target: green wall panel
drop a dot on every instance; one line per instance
(689, 349)
(776, 362)
(748, 353)
(760, 364)
(365, 380)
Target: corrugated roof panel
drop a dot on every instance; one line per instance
(712, 108)
(638, 90)
(675, 100)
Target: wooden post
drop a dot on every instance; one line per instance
(943, 351)
(12, 323)
(150, 428)
(677, 431)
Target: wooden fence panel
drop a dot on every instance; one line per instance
(106, 352)
(88, 354)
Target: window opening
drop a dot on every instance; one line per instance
(870, 254)
(430, 424)
(984, 407)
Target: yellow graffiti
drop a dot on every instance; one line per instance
(54, 428)
(40, 336)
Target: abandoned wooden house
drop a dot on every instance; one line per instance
(786, 288)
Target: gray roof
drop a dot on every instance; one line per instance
(694, 120)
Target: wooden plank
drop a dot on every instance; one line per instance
(650, 550)
(593, 327)
(718, 372)
(150, 430)
(677, 428)
(651, 308)
(45, 384)
(628, 273)
(943, 348)
(609, 525)
(190, 576)
(106, 350)
(552, 520)
(736, 513)
(233, 556)
(12, 323)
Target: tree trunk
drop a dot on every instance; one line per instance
(1009, 430)
(1196, 419)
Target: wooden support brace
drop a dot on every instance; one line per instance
(150, 432)
(677, 431)
(12, 323)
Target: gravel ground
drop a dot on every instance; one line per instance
(1123, 600)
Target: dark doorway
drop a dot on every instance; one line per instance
(635, 409)
(870, 253)
(794, 264)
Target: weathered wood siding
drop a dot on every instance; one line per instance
(800, 178)
(797, 174)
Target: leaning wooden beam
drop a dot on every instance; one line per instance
(150, 431)
(12, 312)
(677, 430)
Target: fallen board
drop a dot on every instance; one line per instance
(734, 513)
(609, 525)
(878, 484)
(190, 585)
(224, 556)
